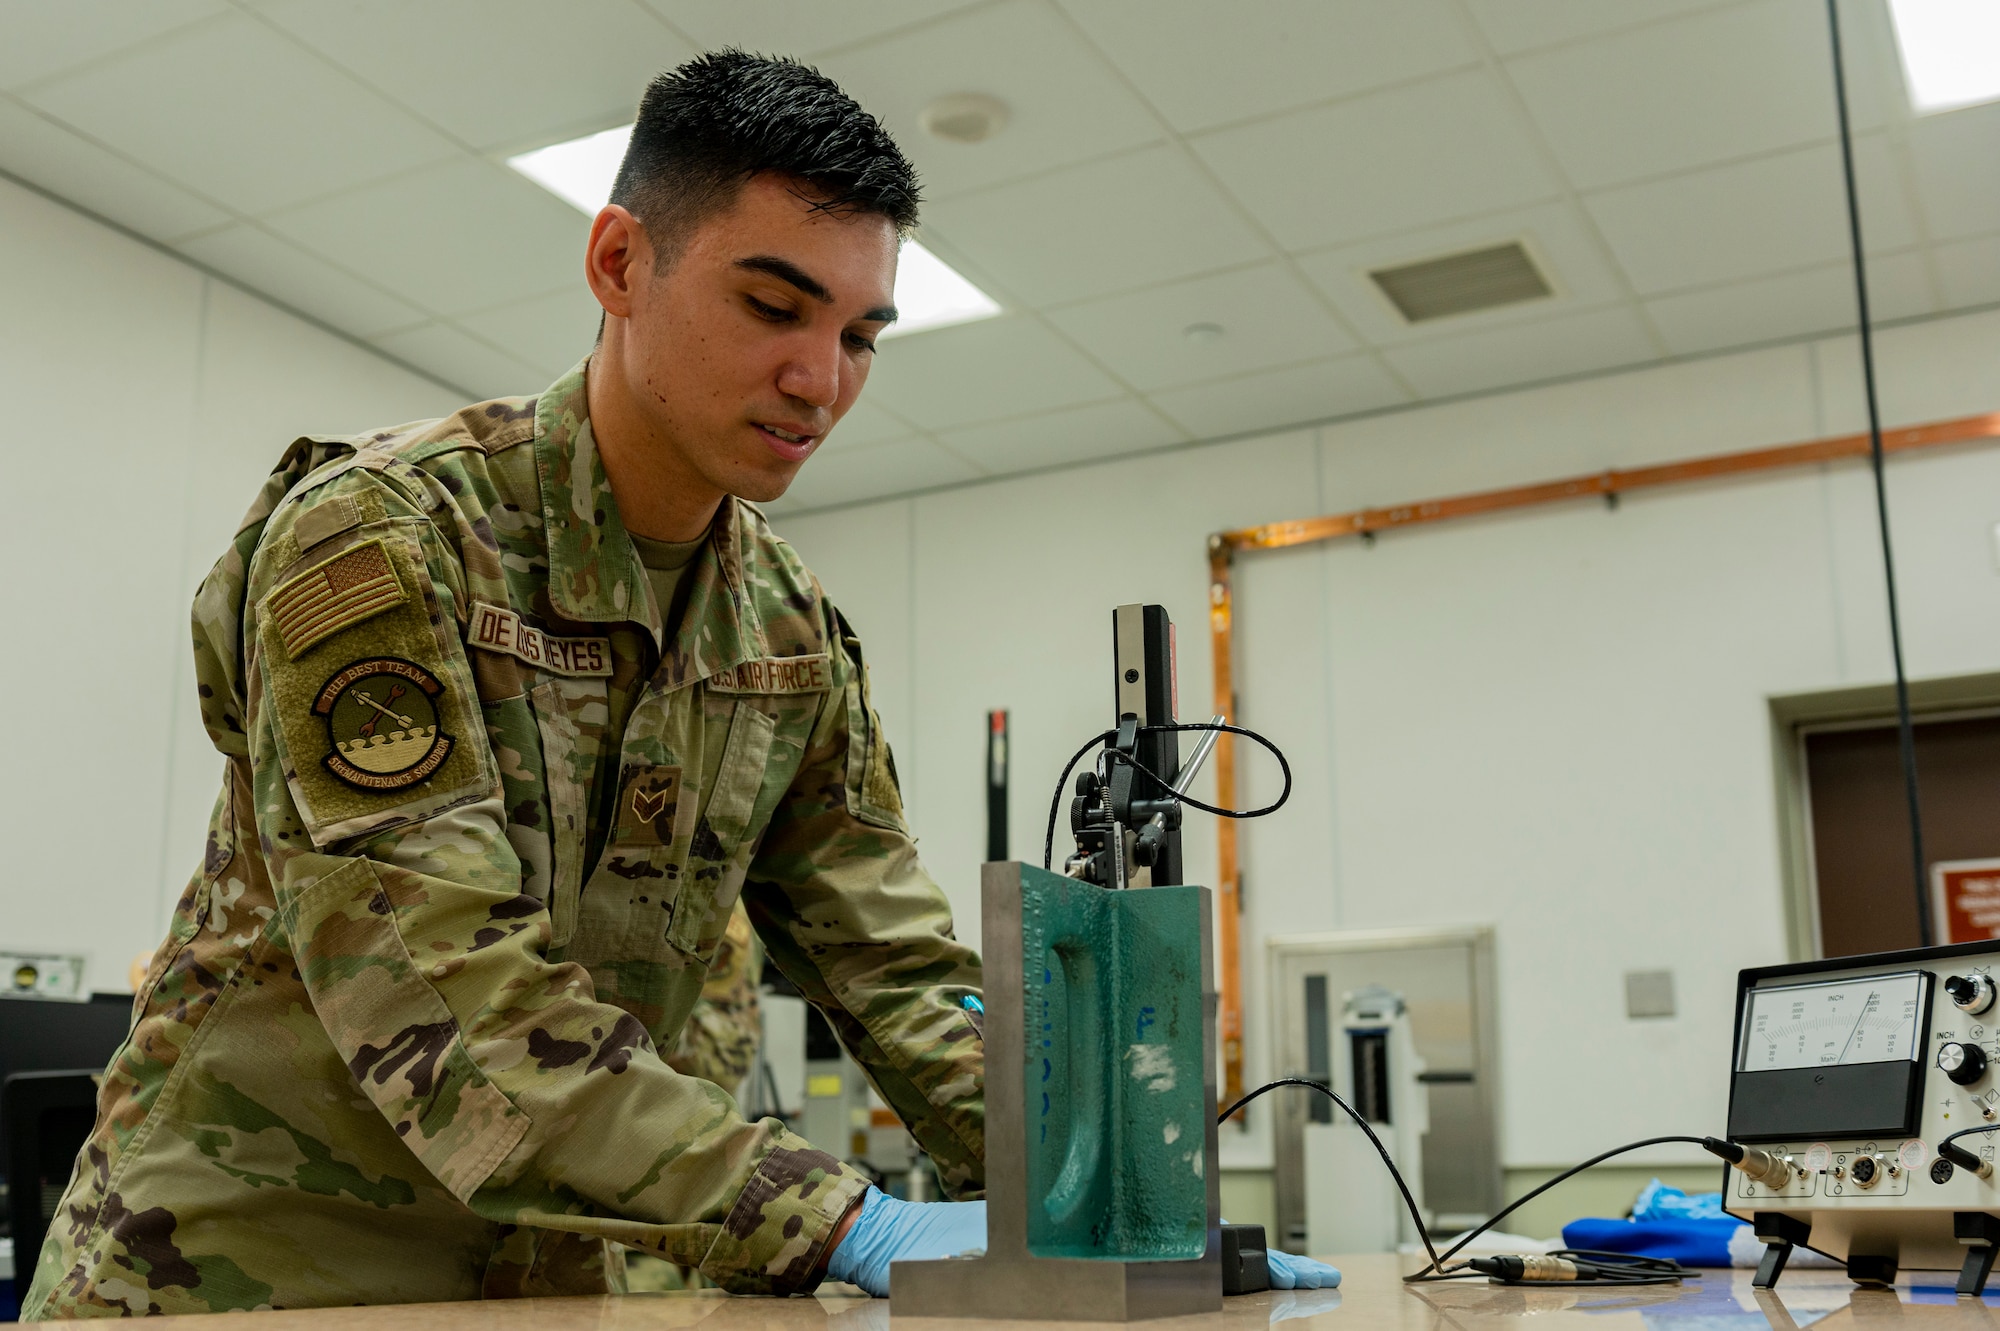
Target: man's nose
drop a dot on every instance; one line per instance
(812, 375)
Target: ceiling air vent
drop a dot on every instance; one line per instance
(1461, 283)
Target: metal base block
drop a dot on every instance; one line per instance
(1054, 1289)
(1118, 1086)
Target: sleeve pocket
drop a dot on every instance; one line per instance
(394, 1032)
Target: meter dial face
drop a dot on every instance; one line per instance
(1871, 1019)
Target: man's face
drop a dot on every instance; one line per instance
(757, 337)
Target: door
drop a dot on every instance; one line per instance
(1860, 830)
(1445, 977)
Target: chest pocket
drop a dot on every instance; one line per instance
(747, 785)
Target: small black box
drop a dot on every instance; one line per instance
(1245, 1267)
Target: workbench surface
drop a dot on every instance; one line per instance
(1372, 1298)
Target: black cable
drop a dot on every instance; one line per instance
(1906, 734)
(1423, 1232)
(1359, 1122)
(1570, 1173)
(1055, 805)
(1166, 787)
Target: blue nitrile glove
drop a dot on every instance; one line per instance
(1289, 1272)
(888, 1231)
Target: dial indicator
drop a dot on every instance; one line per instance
(1835, 1023)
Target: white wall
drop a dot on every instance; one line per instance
(146, 402)
(1553, 721)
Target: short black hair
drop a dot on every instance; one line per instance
(706, 128)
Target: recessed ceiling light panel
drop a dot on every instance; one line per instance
(579, 172)
(929, 292)
(1480, 279)
(964, 117)
(1951, 52)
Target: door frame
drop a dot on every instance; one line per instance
(1288, 1179)
(1793, 717)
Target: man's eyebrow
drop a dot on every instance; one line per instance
(790, 273)
(787, 271)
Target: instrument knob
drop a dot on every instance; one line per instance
(1971, 993)
(1963, 1063)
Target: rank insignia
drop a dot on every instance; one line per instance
(650, 801)
(382, 723)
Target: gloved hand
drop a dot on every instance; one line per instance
(887, 1230)
(1289, 1272)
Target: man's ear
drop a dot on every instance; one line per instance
(617, 259)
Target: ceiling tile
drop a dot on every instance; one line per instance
(1523, 353)
(974, 372)
(282, 271)
(866, 424)
(1266, 318)
(45, 39)
(460, 359)
(1204, 64)
(551, 332)
(843, 477)
(786, 27)
(1708, 88)
(74, 168)
(1063, 105)
(1750, 218)
(234, 111)
(1557, 235)
(590, 60)
(1412, 156)
(1145, 217)
(462, 236)
(1080, 434)
(1969, 271)
(1518, 25)
(1953, 156)
(1282, 397)
(1815, 300)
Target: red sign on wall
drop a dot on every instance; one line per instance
(1965, 900)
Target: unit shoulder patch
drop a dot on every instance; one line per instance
(375, 718)
(381, 719)
(352, 586)
(775, 674)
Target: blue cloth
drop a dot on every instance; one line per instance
(1698, 1242)
(1657, 1201)
(1289, 1272)
(888, 1231)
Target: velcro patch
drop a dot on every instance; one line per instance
(334, 595)
(326, 519)
(647, 806)
(501, 630)
(775, 674)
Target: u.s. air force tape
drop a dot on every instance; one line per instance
(774, 674)
(501, 630)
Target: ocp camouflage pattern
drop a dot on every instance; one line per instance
(719, 1041)
(403, 1045)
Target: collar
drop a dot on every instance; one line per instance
(595, 575)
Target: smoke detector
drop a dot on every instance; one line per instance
(964, 117)
(1460, 283)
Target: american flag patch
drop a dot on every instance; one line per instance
(328, 597)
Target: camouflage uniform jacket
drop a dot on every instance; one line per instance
(719, 1042)
(481, 829)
